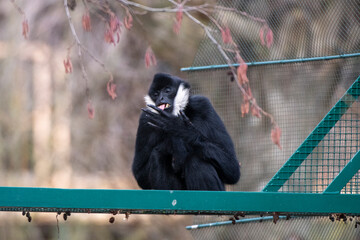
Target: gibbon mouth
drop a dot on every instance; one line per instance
(164, 106)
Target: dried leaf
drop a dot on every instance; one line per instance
(86, 22)
(245, 106)
(128, 21)
(25, 28)
(178, 19)
(241, 74)
(261, 35)
(111, 89)
(113, 29)
(275, 136)
(109, 37)
(241, 70)
(115, 24)
(248, 92)
(226, 35)
(91, 110)
(68, 65)
(150, 59)
(255, 109)
(179, 13)
(275, 217)
(176, 27)
(269, 38)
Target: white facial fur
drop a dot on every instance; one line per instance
(149, 101)
(180, 101)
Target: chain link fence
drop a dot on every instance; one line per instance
(314, 58)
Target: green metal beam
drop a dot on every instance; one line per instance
(315, 137)
(174, 202)
(345, 175)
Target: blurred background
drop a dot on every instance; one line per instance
(47, 139)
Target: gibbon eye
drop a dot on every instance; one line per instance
(167, 90)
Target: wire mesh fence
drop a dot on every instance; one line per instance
(314, 59)
(298, 96)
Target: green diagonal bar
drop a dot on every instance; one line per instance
(345, 175)
(314, 138)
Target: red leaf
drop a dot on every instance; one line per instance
(25, 28)
(269, 38)
(111, 89)
(255, 109)
(109, 38)
(91, 110)
(178, 19)
(68, 65)
(248, 92)
(241, 70)
(115, 24)
(114, 28)
(179, 13)
(275, 136)
(128, 21)
(226, 35)
(150, 59)
(176, 27)
(245, 105)
(86, 22)
(261, 35)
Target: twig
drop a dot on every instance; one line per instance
(17, 7)
(78, 43)
(165, 9)
(82, 48)
(204, 9)
(219, 47)
(245, 14)
(98, 61)
(226, 57)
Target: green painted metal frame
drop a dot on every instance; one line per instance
(346, 174)
(326, 124)
(174, 202)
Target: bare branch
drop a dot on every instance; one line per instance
(81, 47)
(78, 43)
(228, 61)
(146, 8)
(245, 14)
(206, 9)
(98, 61)
(17, 7)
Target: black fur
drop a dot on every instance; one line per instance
(192, 151)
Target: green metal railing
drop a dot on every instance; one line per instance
(174, 202)
(312, 141)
